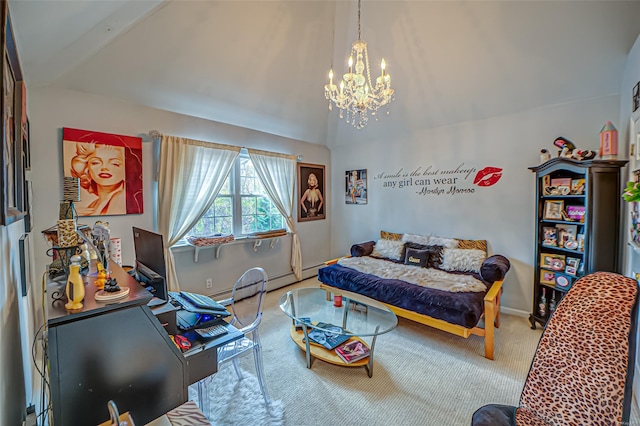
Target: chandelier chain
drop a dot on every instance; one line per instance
(359, 19)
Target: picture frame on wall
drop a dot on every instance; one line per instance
(311, 190)
(636, 97)
(14, 113)
(356, 186)
(116, 190)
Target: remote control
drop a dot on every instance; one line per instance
(213, 331)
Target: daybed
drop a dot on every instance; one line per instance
(446, 283)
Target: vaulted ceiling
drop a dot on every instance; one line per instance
(262, 64)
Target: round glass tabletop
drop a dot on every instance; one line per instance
(356, 314)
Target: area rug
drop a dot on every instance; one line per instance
(236, 402)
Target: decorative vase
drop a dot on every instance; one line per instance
(75, 285)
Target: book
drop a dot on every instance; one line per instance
(330, 337)
(353, 351)
(298, 322)
(576, 212)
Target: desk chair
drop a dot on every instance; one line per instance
(246, 301)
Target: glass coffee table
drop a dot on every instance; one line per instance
(353, 317)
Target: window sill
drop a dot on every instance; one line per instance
(257, 242)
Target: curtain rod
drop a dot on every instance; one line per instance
(155, 134)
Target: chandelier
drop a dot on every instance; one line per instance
(356, 96)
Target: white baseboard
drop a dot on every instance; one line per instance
(277, 281)
(516, 312)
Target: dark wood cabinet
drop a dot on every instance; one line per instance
(577, 227)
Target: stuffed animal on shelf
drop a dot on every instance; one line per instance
(583, 154)
(562, 143)
(568, 150)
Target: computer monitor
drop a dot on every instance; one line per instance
(150, 266)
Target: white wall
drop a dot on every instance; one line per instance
(503, 213)
(52, 109)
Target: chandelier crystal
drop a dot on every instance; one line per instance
(356, 96)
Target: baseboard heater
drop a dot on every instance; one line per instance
(227, 292)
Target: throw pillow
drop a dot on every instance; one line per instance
(473, 244)
(462, 260)
(418, 239)
(444, 242)
(430, 240)
(362, 249)
(416, 257)
(390, 236)
(494, 268)
(388, 249)
(435, 256)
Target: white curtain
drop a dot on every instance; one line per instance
(191, 176)
(278, 175)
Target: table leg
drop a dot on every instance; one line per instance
(369, 366)
(306, 340)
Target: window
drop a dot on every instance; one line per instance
(242, 207)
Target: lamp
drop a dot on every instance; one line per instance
(356, 94)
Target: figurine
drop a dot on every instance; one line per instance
(544, 156)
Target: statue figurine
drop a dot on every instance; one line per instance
(544, 156)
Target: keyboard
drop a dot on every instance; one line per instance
(202, 302)
(213, 331)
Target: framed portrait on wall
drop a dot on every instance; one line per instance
(13, 110)
(311, 190)
(356, 186)
(109, 168)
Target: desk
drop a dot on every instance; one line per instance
(119, 350)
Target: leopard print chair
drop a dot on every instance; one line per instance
(582, 371)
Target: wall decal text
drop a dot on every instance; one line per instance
(432, 180)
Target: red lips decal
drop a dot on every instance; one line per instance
(488, 176)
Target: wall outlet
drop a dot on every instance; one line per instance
(209, 283)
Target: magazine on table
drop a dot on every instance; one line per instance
(329, 337)
(353, 351)
(298, 322)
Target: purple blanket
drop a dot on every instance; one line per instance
(463, 309)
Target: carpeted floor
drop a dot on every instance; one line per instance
(421, 376)
(234, 402)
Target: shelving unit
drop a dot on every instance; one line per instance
(594, 240)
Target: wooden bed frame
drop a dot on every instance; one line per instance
(491, 316)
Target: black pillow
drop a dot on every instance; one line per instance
(494, 268)
(435, 254)
(416, 257)
(362, 249)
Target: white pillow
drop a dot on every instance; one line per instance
(444, 242)
(429, 240)
(418, 239)
(462, 260)
(388, 249)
